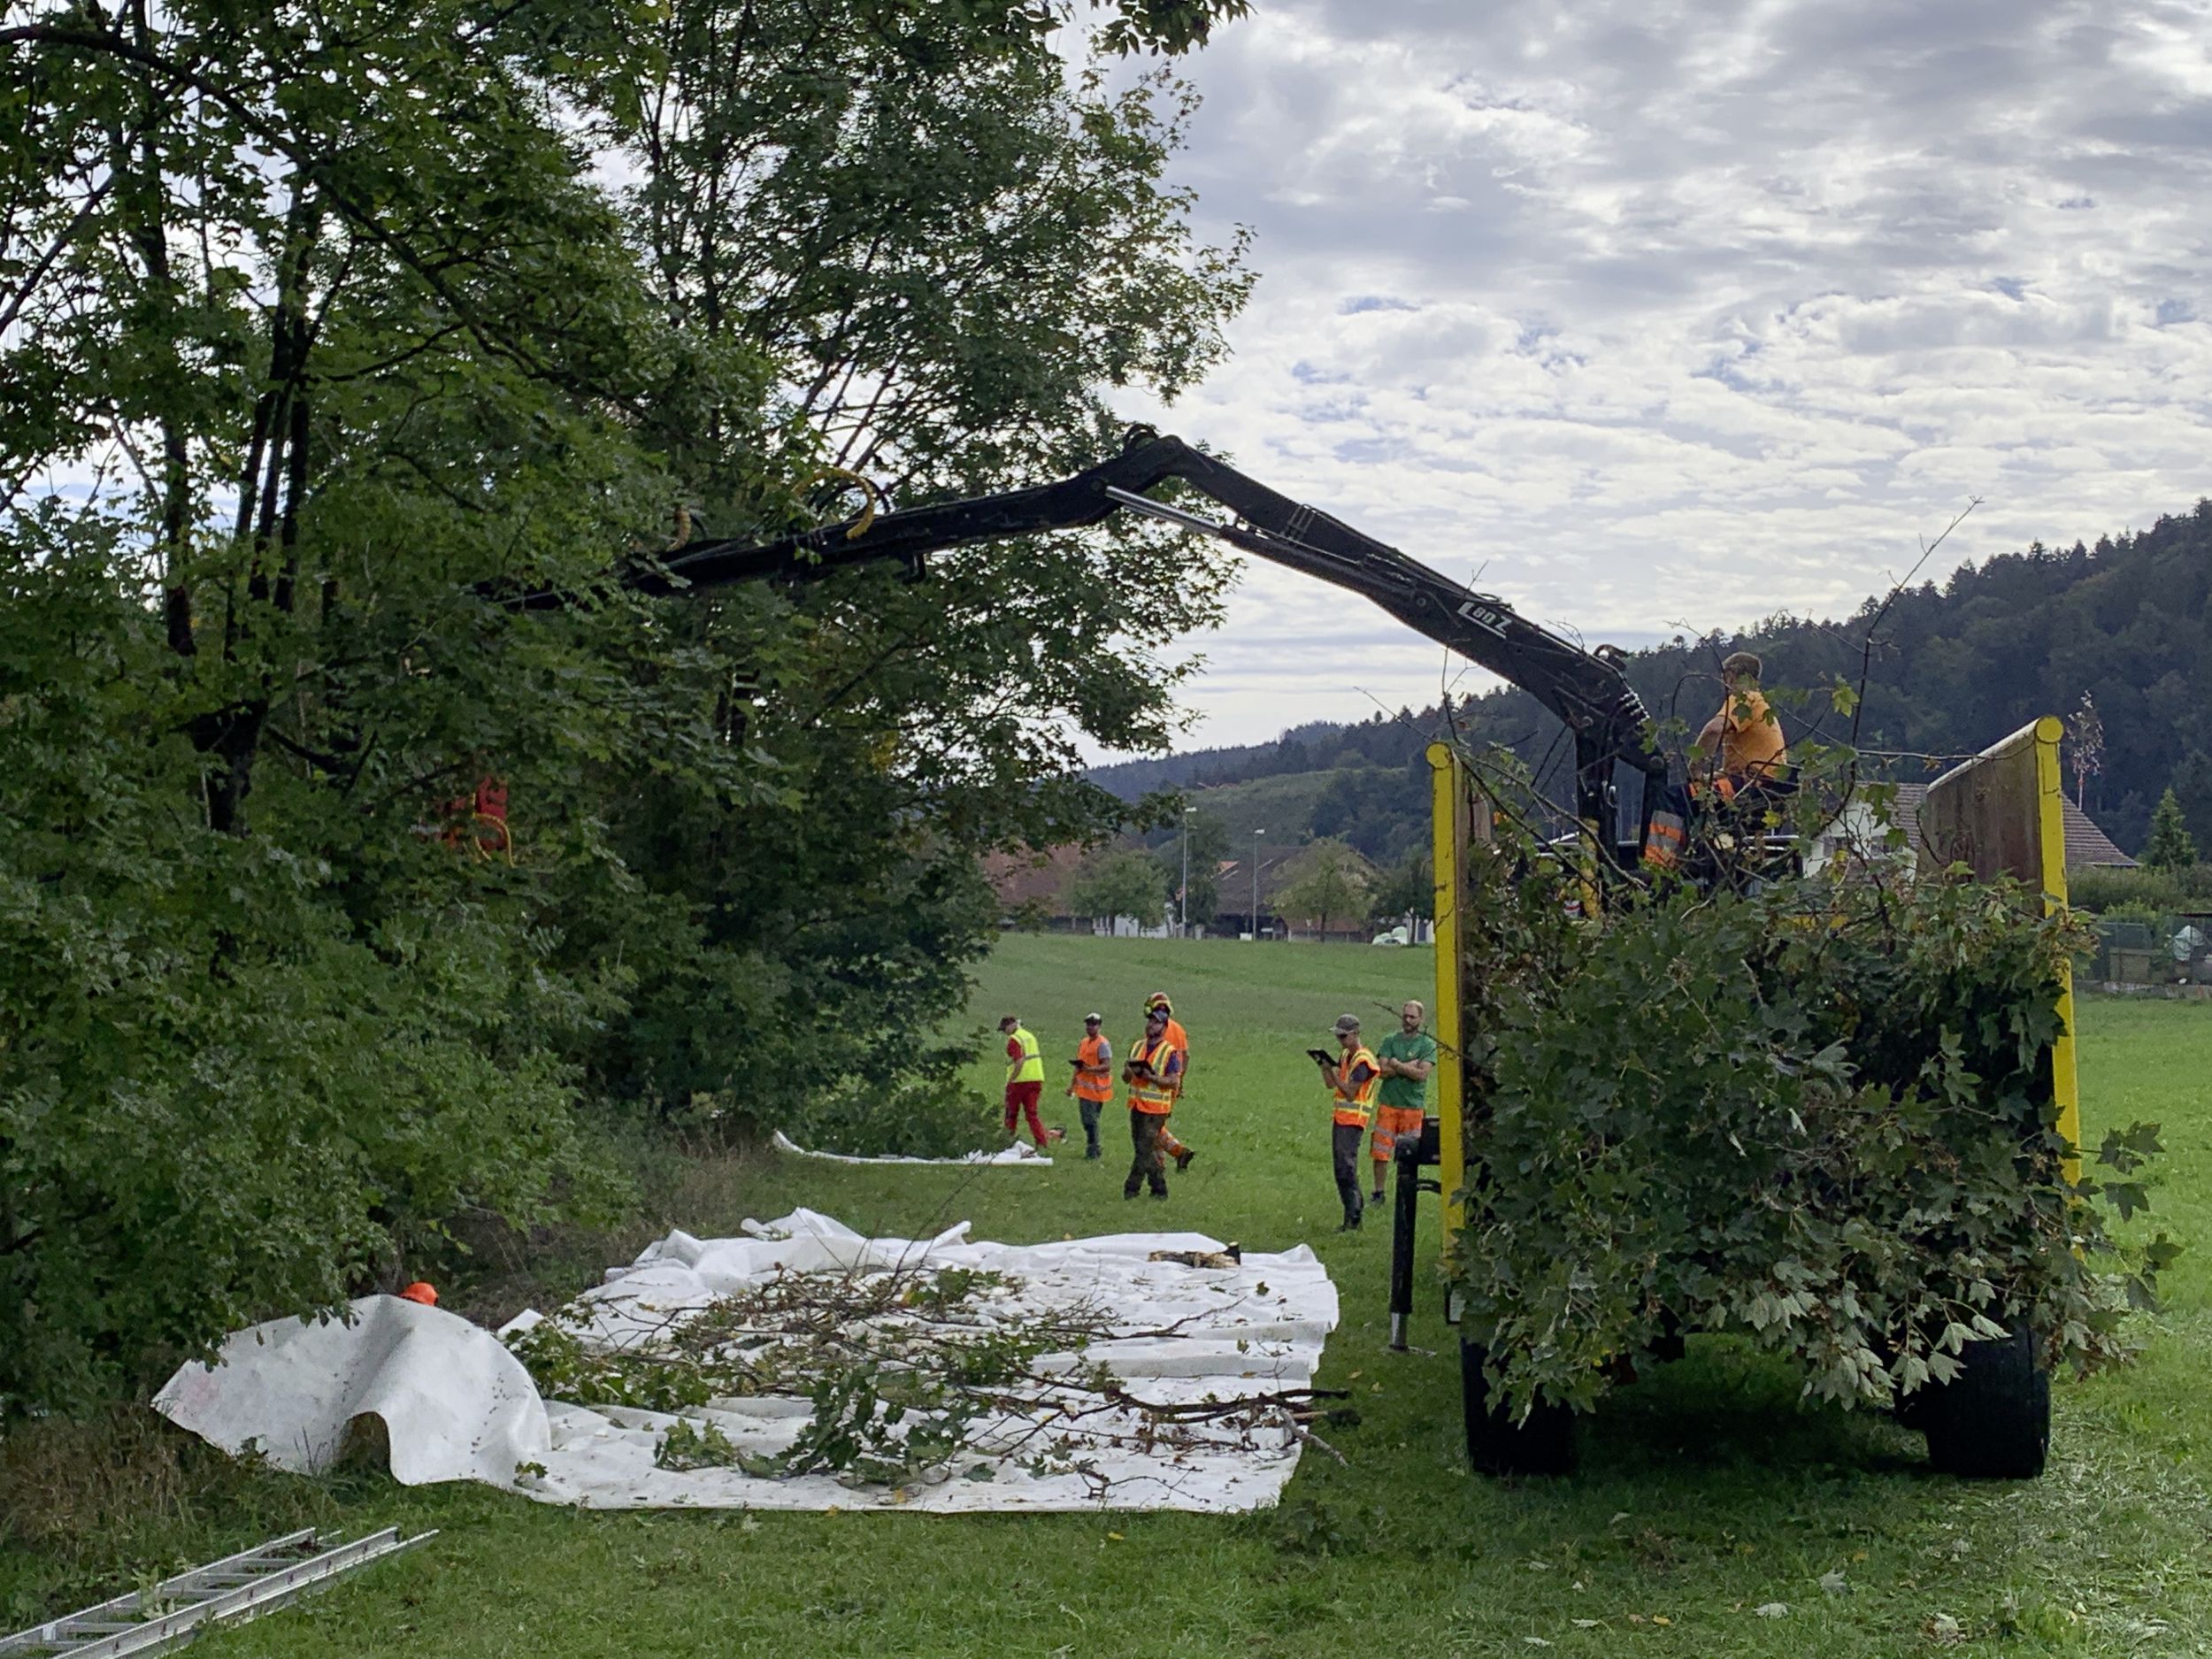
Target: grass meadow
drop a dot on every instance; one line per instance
(1708, 1495)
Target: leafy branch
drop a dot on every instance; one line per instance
(911, 1373)
(1816, 1111)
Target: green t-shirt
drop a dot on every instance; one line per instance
(1405, 1091)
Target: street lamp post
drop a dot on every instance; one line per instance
(1255, 884)
(1182, 900)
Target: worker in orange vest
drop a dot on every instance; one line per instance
(1153, 1074)
(1352, 1077)
(1169, 1147)
(1093, 1085)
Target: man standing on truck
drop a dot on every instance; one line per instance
(1093, 1085)
(1405, 1058)
(1741, 746)
(1154, 1073)
(1169, 1147)
(1025, 1078)
(1351, 1076)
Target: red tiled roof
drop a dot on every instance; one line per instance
(1019, 877)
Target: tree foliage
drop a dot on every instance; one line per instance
(1408, 888)
(1199, 840)
(1120, 883)
(1816, 1112)
(2170, 846)
(2151, 892)
(1327, 881)
(320, 325)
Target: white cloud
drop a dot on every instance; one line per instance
(1685, 312)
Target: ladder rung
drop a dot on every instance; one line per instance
(238, 1587)
(168, 1590)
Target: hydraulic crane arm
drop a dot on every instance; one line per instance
(1586, 690)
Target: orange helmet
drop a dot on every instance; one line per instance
(420, 1291)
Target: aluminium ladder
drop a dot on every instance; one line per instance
(236, 1588)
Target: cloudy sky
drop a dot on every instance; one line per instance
(1667, 314)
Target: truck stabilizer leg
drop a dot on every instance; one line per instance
(1403, 1214)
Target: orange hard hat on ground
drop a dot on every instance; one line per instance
(422, 1292)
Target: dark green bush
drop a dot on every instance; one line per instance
(2161, 891)
(229, 1087)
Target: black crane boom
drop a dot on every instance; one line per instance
(1616, 766)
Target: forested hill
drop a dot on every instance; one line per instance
(1203, 767)
(1955, 665)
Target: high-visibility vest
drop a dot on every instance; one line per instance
(1180, 1038)
(1031, 1067)
(1356, 1102)
(1152, 1091)
(1094, 1078)
(1663, 843)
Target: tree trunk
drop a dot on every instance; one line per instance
(272, 486)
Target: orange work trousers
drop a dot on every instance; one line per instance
(1390, 1123)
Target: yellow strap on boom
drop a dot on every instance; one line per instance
(870, 495)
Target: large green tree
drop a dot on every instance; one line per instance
(954, 253)
(2170, 846)
(1118, 882)
(1329, 881)
(1407, 888)
(321, 331)
(311, 320)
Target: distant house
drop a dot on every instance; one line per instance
(1032, 888)
(1034, 885)
(2088, 847)
(1235, 910)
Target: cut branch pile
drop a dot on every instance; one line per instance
(914, 1375)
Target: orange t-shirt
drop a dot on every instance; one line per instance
(1751, 743)
(1180, 1038)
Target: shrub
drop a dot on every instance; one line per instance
(1818, 1113)
(2160, 891)
(231, 1086)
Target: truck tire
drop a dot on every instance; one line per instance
(1542, 1443)
(1991, 1422)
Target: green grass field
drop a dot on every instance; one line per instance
(1706, 1493)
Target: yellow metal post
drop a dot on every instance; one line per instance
(1449, 841)
(2050, 795)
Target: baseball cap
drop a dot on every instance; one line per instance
(1090, 1019)
(1347, 1022)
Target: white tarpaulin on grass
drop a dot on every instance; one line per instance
(459, 1406)
(1009, 1157)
